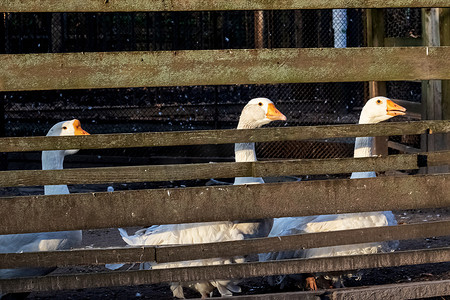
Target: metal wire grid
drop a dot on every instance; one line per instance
(403, 22)
(75, 32)
(185, 108)
(180, 108)
(405, 90)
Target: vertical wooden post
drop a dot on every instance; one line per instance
(3, 34)
(298, 28)
(432, 101)
(444, 26)
(259, 29)
(375, 38)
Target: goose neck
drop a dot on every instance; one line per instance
(363, 147)
(245, 152)
(54, 160)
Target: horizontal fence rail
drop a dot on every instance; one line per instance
(412, 290)
(199, 5)
(241, 202)
(223, 249)
(409, 290)
(244, 270)
(204, 137)
(222, 170)
(247, 66)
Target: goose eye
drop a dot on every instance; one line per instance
(260, 104)
(378, 101)
(64, 127)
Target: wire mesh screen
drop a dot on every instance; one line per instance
(404, 23)
(75, 32)
(186, 108)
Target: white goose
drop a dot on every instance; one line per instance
(375, 110)
(257, 112)
(45, 241)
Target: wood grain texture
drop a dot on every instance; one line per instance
(223, 249)
(199, 5)
(245, 270)
(185, 205)
(223, 170)
(227, 136)
(410, 290)
(246, 66)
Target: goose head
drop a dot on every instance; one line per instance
(258, 112)
(67, 128)
(379, 109)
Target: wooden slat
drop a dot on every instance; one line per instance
(221, 170)
(199, 5)
(295, 242)
(173, 206)
(223, 249)
(76, 257)
(204, 137)
(245, 66)
(403, 148)
(294, 266)
(409, 290)
(304, 295)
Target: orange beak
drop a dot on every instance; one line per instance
(274, 114)
(78, 129)
(393, 109)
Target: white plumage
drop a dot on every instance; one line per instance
(376, 110)
(45, 241)
(256, 113)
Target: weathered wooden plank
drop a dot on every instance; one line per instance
(245, 66)
(223, 249)
(304, 295)
(402, 42)
(125, 174)
(76, 257)
(221, 170)
(402, 147)
(198, 5)
(172, 206)
(294, 266)
(204, 137)
(410, 290)
(305, 241)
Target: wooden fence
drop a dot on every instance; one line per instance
(211, 67)
(255, 201)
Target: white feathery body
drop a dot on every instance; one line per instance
(252, 116)
(323, 223)
(44, 241)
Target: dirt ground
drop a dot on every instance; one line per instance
(111, 237)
